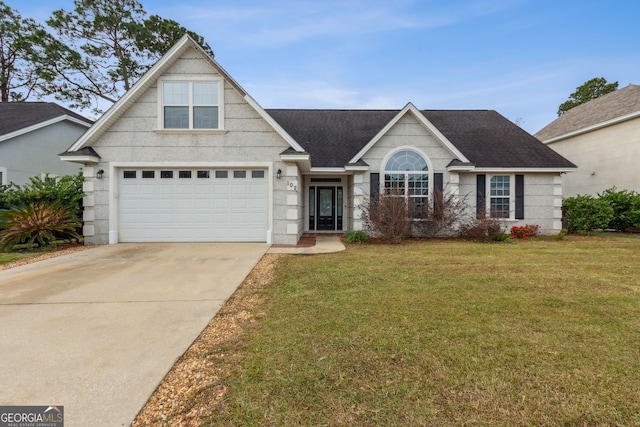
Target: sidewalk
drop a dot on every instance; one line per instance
(311, 245)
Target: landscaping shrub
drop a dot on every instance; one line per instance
(442, 217)
(66, 190)
(37, 223)
(357, 236)
(483, 229)
(626, 208)
(387, 215)
(586, 213)
(522, 232)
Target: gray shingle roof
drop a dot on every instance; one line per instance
(486, 138)
(332, 137)
(19, 115)
(607, 107)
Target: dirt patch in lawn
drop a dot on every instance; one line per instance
(196, 383)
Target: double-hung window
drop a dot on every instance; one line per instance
(190, 105)
(500, 196)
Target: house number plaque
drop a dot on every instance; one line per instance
(292, 185)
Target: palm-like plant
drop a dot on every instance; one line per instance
(37, 223)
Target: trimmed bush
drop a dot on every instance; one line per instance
(357, 236)
(626, 208)
(523, 232)
(586, 213)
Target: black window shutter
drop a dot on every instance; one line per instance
(438, 186)
(374, 189)
(481, 194)
(519, 196)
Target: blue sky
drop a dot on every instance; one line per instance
(520, 57)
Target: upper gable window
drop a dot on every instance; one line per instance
(190, 105)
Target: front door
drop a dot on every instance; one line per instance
(326, 208)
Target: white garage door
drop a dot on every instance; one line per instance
(192, 205)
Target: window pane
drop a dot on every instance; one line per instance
(500, 186)
(394, 182)
(222, 174)
(205, 93)
(406, 160)
(500, 207)
(184, 174)
(166, 174)
(176, 117)
(175, 93)
(129, 174)
(205, 117)
(203, 174)
(257, 174)
(239, 174)
(148, 174)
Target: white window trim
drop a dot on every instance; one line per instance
(191, 79)
(512, 195)
(429, 172)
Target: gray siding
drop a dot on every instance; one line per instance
(36, 152)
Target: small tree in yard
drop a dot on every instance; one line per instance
(387, 215)
(442, 217)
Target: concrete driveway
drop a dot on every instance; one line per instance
(97, 330)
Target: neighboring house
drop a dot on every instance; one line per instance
(602, 137)
(187, 155)
(32, 135)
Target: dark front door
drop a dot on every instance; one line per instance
(326, 207)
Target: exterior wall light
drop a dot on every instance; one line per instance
(100, 173)
(279, 174)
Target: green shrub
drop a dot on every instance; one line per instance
(66, 190)
(38, 223)
(586, 213)
(626, 208)
(356, 236)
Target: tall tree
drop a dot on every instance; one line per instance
(591, 89)
(19, 76)
(104, 47)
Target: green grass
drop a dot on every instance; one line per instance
(6, 257)
(533, 332)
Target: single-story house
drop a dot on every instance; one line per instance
(188, 155)
(602, 137)
(32, 134)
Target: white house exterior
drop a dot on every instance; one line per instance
(602, 137)
(187, 155)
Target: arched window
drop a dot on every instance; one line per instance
(406, 173)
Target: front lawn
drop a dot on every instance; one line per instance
(533, 332)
